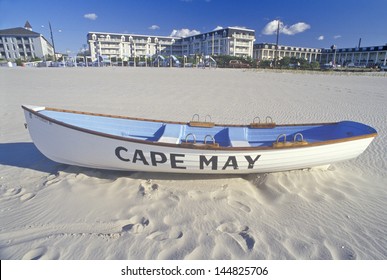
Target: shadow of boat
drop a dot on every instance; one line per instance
(26, 155)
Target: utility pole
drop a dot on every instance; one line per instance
(276, 45)
(333, 48)
(52, 40)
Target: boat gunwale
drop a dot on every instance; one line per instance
(190, 147)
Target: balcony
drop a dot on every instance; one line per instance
(110, 46)
(240, 36)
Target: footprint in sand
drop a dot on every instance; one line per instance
(27, 196)
(250, 241)
(35, 254)
(53, 179)
(231, 228)
(136, 225)
(41, 253)
(161, 236)
(239, 205)
(239, 233)
(12, 191)
(147, 188)
(18, 192)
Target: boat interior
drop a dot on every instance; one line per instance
(199, 133)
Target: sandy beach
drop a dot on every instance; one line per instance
(54, 211)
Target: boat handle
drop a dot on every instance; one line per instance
(195, 115)
(269, 118)
(301, 137)
(280, 136)
(193, 136)
(205, 119)
(212, 139)
(259, 120)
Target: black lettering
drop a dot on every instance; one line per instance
(231, 161)
(162, 158)
(139, 155)
(174, 161)
(213, 160)
(118, 153)
(251, 161)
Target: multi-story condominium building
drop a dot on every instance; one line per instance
(230, 41)
(23, 43)
(269, 51)
(361, 56)
(130, 45)
(235, 41)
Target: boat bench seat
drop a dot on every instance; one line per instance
(171, 134)
(238, 136)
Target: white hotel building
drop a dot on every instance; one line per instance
(363, 56)
(23, 43)
(269, 51)
(360, 56)
(234, 41)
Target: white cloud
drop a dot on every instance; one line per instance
(90, 16)
(271, 28)
(184, 32)
(320, 38)
(296, 28)
(154, 27)
(217, 28)
(337, 36)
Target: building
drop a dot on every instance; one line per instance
(123, 46)
(361, 56)
(23, 43)
(228, 41)
(235, 41)
(269, 51)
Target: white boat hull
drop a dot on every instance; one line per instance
(74, 147)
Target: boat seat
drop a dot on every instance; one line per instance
(171, 134)
(238, 136)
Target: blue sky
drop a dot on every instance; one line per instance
(306, 23)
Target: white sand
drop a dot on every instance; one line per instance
(54, 211)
